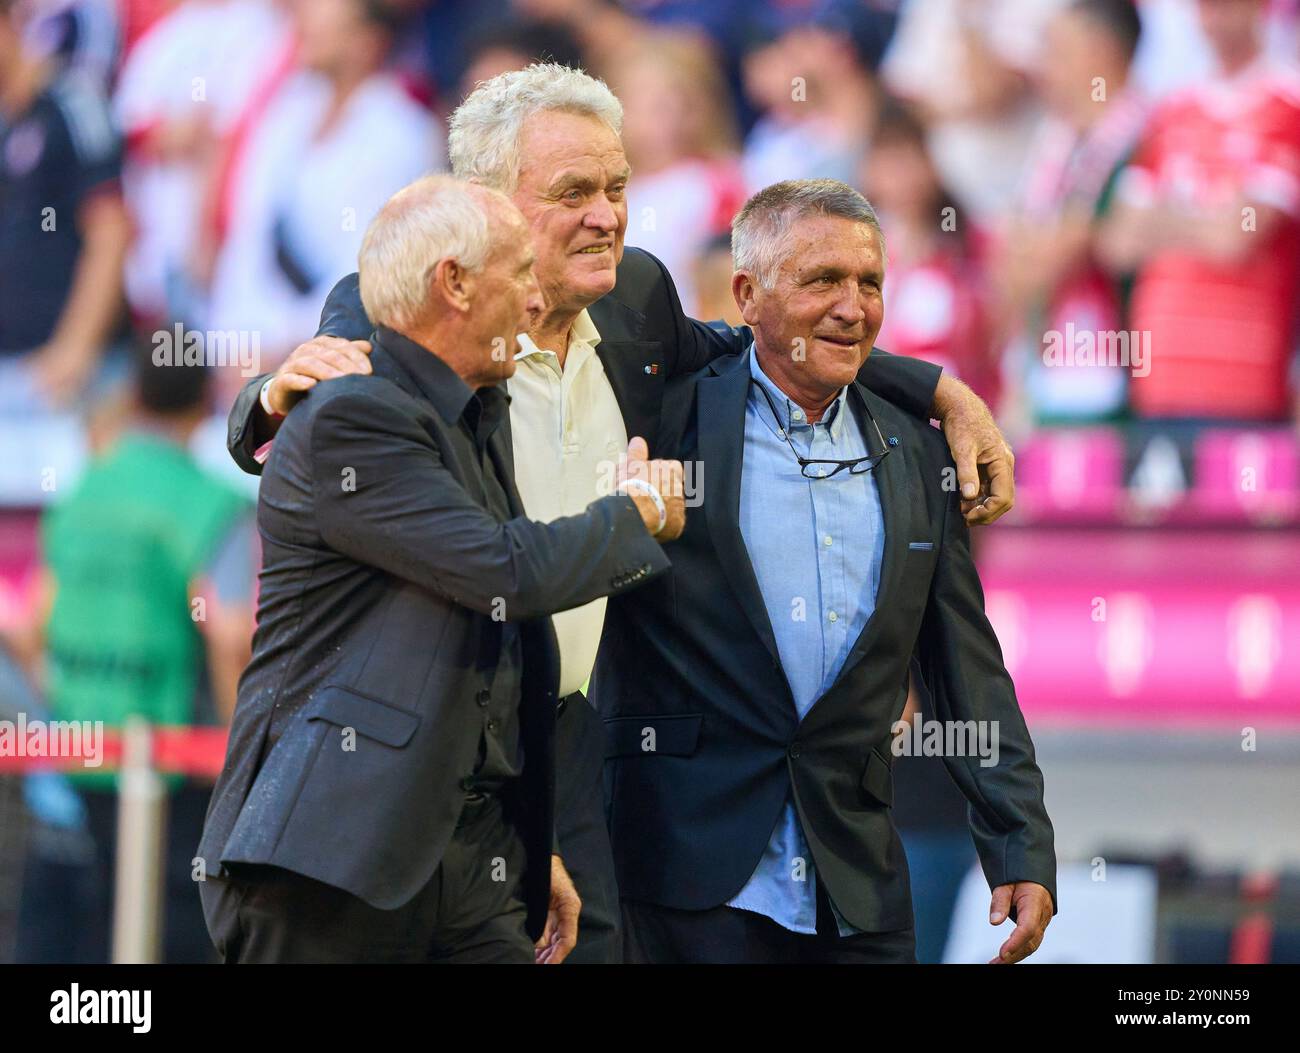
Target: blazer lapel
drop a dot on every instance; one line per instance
(895, 505)
(636, 373)
(721, 429)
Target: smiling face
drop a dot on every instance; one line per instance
(814, 328)
(572, 191)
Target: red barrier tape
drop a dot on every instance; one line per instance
(198, 752)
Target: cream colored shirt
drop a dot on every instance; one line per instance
(568, 432)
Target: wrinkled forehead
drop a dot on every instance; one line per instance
(819, 242)
(557, 143)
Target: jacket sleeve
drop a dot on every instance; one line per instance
(384, 497)
(908, 383)
(249, 427)
(961, 663)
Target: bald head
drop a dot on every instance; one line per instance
(448, 264)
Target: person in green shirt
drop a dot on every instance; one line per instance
(149, 570)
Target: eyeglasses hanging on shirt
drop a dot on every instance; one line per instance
(815, 468)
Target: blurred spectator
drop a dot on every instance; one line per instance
(183, 87)
(711, 275)
(63, 228)
(506, 46)
(815, 87)
(334, 142)
(966, 64)
(1048, 275)
(149, 576)
(1209, 217)
(81, 35)
(681, 141)
(935, 288)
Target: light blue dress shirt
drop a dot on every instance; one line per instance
(816, 546)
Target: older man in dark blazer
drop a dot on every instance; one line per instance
(387, 794)
(594, 370)
(750, 693)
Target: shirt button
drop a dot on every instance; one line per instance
(797, 415)
(826, 540)
(482, 697)
(821, 473)
(833, 616)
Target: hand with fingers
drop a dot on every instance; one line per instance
(665, 478)
(561, 933)
(321, 358)
(985, 463)
(1032, 904)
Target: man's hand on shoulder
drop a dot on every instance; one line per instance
(985, 463)
(1033, 907)
(321, 358)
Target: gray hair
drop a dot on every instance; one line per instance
(759, 231)
(483, 142)
(435, 218)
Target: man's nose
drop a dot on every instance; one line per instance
(848, 307)
(534, 302)
(601, 215)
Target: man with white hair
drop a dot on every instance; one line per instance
(387, 793)
(592, 372)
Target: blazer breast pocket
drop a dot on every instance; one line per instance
(381, 721)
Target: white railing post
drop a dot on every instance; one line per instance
(141, 821)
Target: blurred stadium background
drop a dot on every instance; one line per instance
(1046, 177)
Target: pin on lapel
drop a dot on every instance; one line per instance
(652, 369)
(893, 440)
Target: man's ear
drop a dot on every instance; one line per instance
(452, 284)
(745, 290)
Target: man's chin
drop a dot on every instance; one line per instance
(593, 283)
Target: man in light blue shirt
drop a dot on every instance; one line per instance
(816, 545)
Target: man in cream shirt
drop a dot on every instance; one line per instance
(567, 429)
(590, 380)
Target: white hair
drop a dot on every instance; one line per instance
(484, 138)
(759, 232)
(435, 218)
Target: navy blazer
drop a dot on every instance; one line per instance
(704, 741)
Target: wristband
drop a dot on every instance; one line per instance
(648, 489)
(265, 401)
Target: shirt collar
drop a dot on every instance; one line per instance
(437, 381)
(832, 418)
(584, 331)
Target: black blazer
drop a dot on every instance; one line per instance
(689, 665)
(375, 601)
(645, 338)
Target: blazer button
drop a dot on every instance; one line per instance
(467, 784)
(794, 750)
(483, 697)
(492, 725)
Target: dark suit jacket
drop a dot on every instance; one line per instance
(375, 601)
(692, 656)
(644, 339)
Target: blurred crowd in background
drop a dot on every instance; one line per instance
(1092, 214)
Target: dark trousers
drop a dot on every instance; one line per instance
(727, 936)
(582, 833)
(469, 912)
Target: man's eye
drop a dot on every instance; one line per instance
(572, 195)
(616, 191)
